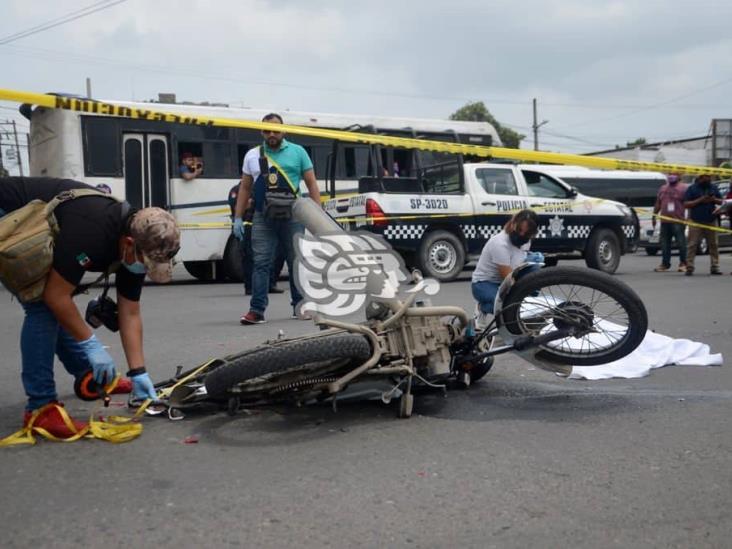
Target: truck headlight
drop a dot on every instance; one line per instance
(625, 210)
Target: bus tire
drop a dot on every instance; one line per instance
(441, 255)
(201, 270)
(233, 268)
(603, 250)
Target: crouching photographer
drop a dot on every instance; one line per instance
(84, 231)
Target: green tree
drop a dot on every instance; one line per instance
(478, 112)
(638, 142)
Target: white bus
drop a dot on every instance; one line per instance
(635, 189)
(140, 159)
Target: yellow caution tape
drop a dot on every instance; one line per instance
(165, 393)
(113, 109)
(115, 429)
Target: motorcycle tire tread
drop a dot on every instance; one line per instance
(283, 356)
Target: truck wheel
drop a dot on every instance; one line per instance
(603, 251)
(441, 255)
(233, 268)
(651, 251)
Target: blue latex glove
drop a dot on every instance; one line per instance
(142, 387)
(534, 257)
(238, 229)
(99, 359)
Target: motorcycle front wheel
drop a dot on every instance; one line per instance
(608, 317)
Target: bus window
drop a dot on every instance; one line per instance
(195, 134)
(193, 149)
(639, 193)
(101, 147)
(320, 159)
(357, 161)
(217, 160)
(402, 162)
(241, 152)
(196, 149)
(309, 150)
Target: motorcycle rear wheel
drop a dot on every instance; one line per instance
(299, 358)
(551, 298)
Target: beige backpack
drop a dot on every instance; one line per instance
(27, 236)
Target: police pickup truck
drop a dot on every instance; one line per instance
(441, 219)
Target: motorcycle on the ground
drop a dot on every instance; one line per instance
(554, 318)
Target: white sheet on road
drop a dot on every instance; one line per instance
(655, 351)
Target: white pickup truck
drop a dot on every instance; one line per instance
(442, 219)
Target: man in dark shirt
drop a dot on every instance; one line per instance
(97, 234)
(701, 199)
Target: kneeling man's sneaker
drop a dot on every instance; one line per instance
(49, 418)
(481, 319)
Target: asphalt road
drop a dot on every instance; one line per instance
(521, 459)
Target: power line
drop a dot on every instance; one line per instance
(67, 57)
(69, 17)
(655, 106)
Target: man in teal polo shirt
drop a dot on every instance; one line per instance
(287, 164)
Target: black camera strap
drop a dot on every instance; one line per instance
(84, 288)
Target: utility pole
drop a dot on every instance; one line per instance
(536, 127)
(17, 149)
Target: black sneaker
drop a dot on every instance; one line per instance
(252, 318)
(689, 272)
(715, 272)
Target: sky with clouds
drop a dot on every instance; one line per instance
(603, 72)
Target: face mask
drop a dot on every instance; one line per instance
(518, 240)
(136, 267)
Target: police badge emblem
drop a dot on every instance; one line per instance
(272, 178)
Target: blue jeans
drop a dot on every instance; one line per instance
(41, 337)
(266, 235)
(485, 291)
(669, 231)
